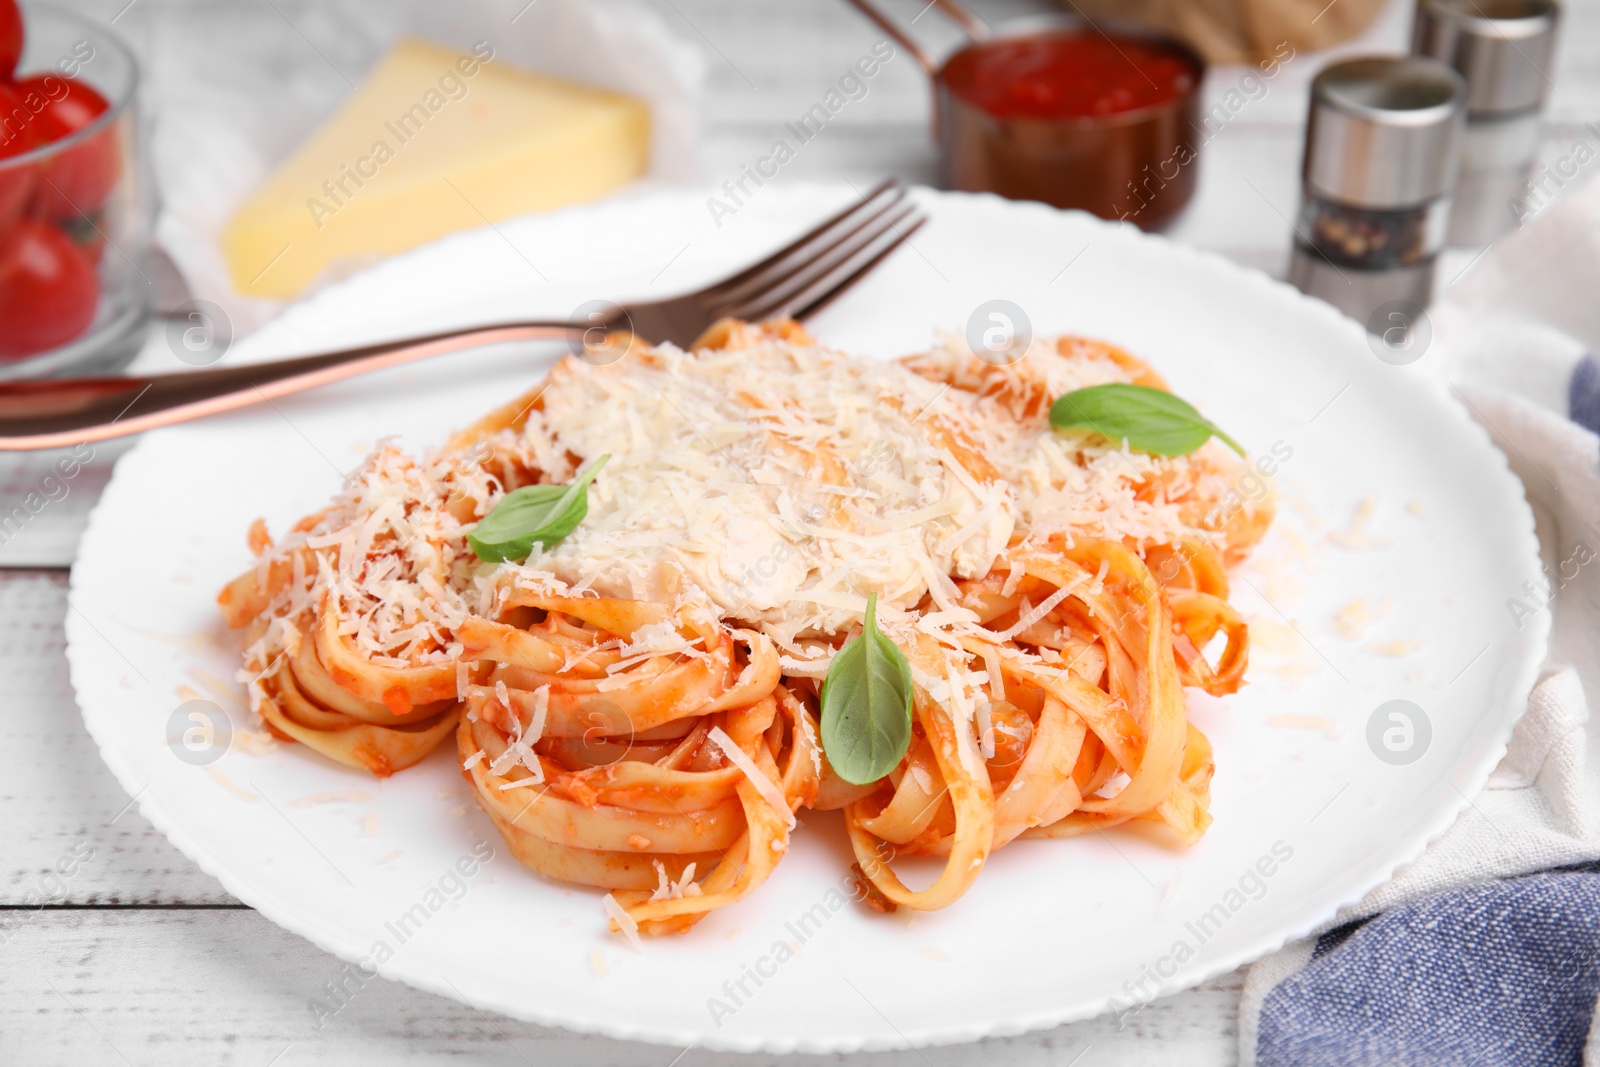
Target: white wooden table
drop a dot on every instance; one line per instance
(114, 948)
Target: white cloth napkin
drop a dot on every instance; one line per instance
(1513, 336)
(232, 88)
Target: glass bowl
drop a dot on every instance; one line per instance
(75, 211)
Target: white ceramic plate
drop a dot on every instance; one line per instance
(1052, 931)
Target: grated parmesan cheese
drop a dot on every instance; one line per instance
(624, 922)
(765, 786)
(813, 741)
(667, 889)
(520, 751)
(541, 708)
(985, 726)
(770, 486)
(1045, 607)
(765, 478)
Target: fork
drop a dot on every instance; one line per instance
(798, 280)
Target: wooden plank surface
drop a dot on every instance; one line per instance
(57, 800)
(115, 948)
(224, 986)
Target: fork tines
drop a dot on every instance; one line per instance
(805, 276)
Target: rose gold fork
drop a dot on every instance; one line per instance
(798, 280)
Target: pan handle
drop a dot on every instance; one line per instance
(970, 24)
(901, 37)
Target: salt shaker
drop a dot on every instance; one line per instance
(1383, 141)
(1503, 49)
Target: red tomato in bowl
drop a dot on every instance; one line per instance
(16, 183)
(10, 38)
(81, 178)
(48, 289)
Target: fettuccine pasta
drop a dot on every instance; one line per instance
(636, 706)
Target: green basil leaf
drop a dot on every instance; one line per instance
(866, 705)
(1151, 420)
(534, 514)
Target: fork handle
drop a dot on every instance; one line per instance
(69, 411)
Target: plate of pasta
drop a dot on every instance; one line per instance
(882, 681)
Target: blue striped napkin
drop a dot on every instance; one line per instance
(1486, 950)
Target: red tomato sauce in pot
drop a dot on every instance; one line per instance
(1068, 75)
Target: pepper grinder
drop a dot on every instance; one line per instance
(1503, 49)
(1383, 142)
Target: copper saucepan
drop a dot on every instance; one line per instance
(1138, 163)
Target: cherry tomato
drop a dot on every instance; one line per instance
(82, 177)
(10, 38)
(16, 182)
(48, 289)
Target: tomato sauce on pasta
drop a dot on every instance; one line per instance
(636, 707)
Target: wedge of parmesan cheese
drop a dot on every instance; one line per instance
(432, 142)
